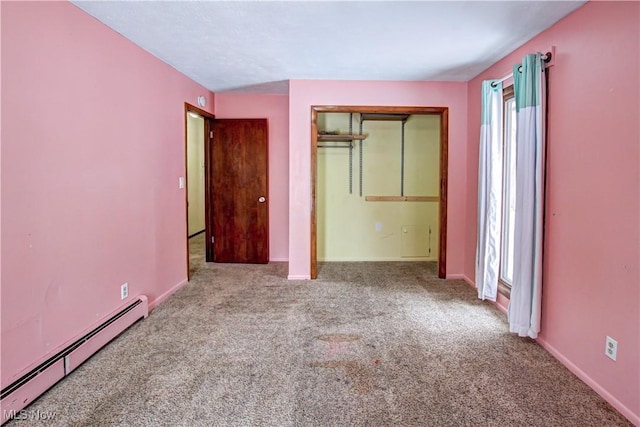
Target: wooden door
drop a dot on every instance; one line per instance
(239, 214)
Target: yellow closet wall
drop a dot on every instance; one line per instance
(195, 174)
(351, 229)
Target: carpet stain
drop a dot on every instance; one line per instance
(358, 374)
(335, 338)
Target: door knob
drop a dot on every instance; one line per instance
(262, 199)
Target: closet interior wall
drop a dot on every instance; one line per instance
(350, 228)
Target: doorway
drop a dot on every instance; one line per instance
(195, 174)
(198, 124)
(235, 185)
(349, 139)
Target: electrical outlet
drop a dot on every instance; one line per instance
(611, 348)
(124, 291)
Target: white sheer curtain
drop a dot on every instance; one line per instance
(489, 191)
(526, 291)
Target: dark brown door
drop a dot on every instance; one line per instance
(239, 214)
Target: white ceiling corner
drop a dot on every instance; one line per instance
(258, 46)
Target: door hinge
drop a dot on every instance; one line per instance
(212, 239)
(211, 134)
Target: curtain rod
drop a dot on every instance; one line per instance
(546, 57)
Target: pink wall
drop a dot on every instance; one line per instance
(275, 108)
(92, 148)
(591, 274)
(305, 93)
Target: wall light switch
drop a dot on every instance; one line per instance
(181, 182)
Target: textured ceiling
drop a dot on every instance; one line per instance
(257, 46)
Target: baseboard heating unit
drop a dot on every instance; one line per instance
(17, 395)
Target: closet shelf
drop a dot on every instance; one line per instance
(343, 137)
(402, 198)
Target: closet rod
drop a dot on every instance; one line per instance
(545, 57)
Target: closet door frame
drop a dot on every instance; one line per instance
(443, 112)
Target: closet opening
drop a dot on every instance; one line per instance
(378, 184)
(197, 127)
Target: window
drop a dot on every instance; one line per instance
(509, 193)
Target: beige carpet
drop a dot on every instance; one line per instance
(368, 344)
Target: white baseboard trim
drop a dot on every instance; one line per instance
(156, 302)
(298, 277)
(278, 259)
(634, 418)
